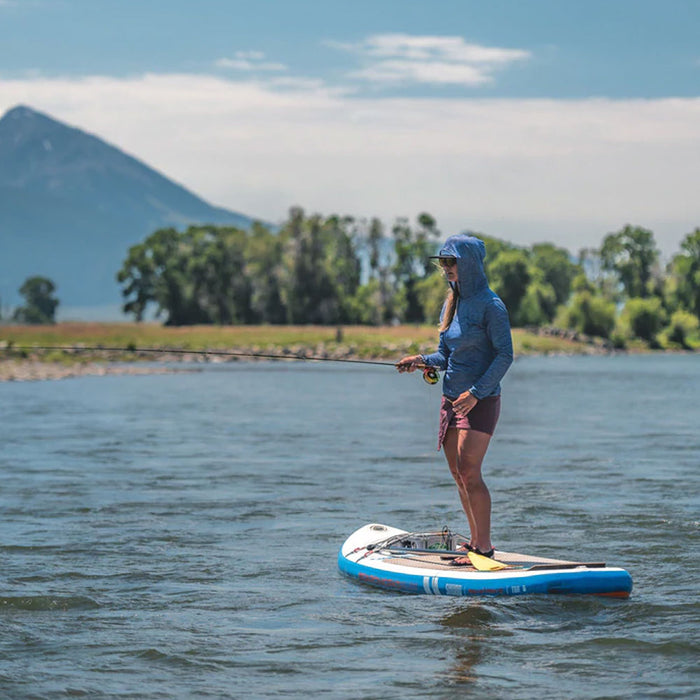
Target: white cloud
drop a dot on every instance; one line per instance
(249, 61)
(562, 170)
(452, 48)
(435, 72)
(442, 60)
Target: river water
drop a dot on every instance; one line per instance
(175, 536)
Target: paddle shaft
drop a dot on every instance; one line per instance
(453, 554)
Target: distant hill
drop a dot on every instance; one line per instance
(71, 205)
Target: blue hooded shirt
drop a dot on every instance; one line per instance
(476, 350)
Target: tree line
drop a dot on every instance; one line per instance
(310, 271)
(342, 270)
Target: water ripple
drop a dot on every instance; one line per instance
(163, 539)
(44, 602)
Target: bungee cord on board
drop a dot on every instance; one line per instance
(430, 373)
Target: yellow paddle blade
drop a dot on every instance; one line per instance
(482, 563)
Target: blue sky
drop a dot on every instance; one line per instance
(527, 119)
(575, 48)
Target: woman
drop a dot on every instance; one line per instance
(475, 351)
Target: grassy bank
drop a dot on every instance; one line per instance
(386, 342)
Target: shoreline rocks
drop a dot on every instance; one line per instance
(34, 370)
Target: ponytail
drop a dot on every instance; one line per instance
(450, 308)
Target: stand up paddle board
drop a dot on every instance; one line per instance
(422, 562)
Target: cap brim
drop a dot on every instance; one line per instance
(442, 257)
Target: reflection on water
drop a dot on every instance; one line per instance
(475, 622)
(475, 616)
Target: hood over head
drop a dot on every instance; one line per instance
(470, 253)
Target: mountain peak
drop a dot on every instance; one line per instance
(38, 151)
(71, 205)
(22, 118)
(20, 112)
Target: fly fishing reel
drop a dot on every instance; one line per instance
(431, 375)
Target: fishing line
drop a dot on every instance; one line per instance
(430, 374)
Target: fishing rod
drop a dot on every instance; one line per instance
(430, 373)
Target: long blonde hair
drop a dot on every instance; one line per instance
(450, 308)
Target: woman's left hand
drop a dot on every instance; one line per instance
(464, 403)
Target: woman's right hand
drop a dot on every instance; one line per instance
(409, 363)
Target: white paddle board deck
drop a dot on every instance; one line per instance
(398, 560)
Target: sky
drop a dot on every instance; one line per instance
(528, 120)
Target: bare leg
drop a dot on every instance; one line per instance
(450, 447)
(465, 450)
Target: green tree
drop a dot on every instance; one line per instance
(631, 254)
(375, 235)
(494, 247)
(539, 304)
(40, 302)
(682, 330)
(509, 276)
(342, 263)
(373, 302)
(197, 276)
(141, 274)
(598, 280)
(431, 292)
(425, 237)
(263, 270)
(557, 268)
(301, 266)
(581, 283)
(684, 275)
(644, 318)
(379, 294)
(591, 315)
(532, 283)
(412, 250)
(215, 267)
(367, 304)
(320, 270)
(308, 272)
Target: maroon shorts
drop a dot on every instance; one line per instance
(483, 417)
